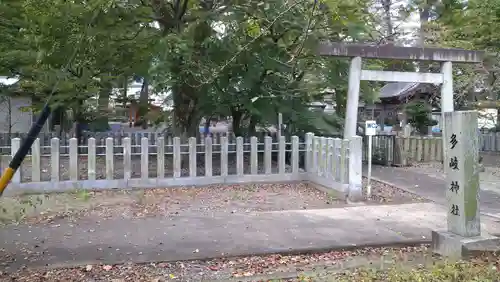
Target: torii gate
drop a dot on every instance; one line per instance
(358, 51)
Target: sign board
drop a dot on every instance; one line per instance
(371, 127)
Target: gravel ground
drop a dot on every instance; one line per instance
(254, 268)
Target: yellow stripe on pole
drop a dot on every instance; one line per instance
(5, 179)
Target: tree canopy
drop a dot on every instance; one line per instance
(208, 58)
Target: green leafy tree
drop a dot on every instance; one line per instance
(245, 59)
(418, 116)
(76, 48)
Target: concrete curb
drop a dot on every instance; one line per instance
(284, 251)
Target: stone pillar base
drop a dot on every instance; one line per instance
(451, 245)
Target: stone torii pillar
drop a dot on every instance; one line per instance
(390, 52)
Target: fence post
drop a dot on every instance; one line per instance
(192, 157)
(329, 158)
(208, 156)
(268, 147)
(73, 159)
(337, 152)
(239, 156)
(390, 150)
(127, 158)
(420, 149)
(91, 159)
(315, 153)
(439, 150)
(177, 157)
(253, 156)
(343, 165)
(429, 148)
(434, 145)
(223, 156)
(308, 149)
(406, 150)
(355, 169)
(413, 151)
(15, 145)
(35, 161)
(109, 159)
(160, 157)
(144, 158)
(295, 154)
(54, 159)
(281, 155)
(323, 154)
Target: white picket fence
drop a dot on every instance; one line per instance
(118, 137)
(330, 162)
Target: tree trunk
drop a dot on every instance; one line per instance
(340, 103)
(389, 32)
(422, 34)
(236, 122)
(102, 121)
(184, 93)
(125, 90)
(144, 103)
(424, 14)
(185, 110)
(9, 115)
(252, 126)
(56, 122)
(389, 29)
(207, 125)
(78, 121)
(498, 119)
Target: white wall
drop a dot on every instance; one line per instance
(21, 120)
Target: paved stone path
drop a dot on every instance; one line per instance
(432, 186)
(91, 241)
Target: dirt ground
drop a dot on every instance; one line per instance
(189, 201)
(416, 263)
(254, 268)
(386, 194)
(172, 201)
